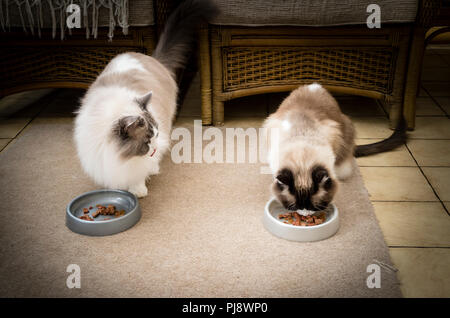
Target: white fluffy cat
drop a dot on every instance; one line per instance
(122, 128)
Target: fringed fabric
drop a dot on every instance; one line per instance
(31, 15)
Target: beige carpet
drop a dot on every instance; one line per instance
(200, 234)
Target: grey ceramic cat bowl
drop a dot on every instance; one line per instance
(299, 233)
(103, 224)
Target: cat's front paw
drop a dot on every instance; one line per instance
(139, 190)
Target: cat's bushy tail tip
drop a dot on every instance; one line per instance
(178, 35)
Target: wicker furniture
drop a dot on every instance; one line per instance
(31, 62)
(72, 63)
(431, 13)
(438, 23)
(239, 60)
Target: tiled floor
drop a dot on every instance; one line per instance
(409, 187)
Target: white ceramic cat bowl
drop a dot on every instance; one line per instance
(299, 233)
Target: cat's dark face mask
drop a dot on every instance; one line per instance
(137, 134)
(316, 197)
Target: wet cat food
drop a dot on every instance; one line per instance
(86, 217)
(101, 210)
(301, 220)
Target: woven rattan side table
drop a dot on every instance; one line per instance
(246, 61)
(380, 63)
(29, 63)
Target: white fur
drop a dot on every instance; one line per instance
(102, 107)
(124, 63)
(345, 169)
(305, 212)
(314, 87)
(282, 144)
(98, 150)
(286, 124)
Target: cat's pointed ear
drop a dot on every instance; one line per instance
(128, 126)
(145, 99)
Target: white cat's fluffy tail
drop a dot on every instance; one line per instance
(175, 42)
